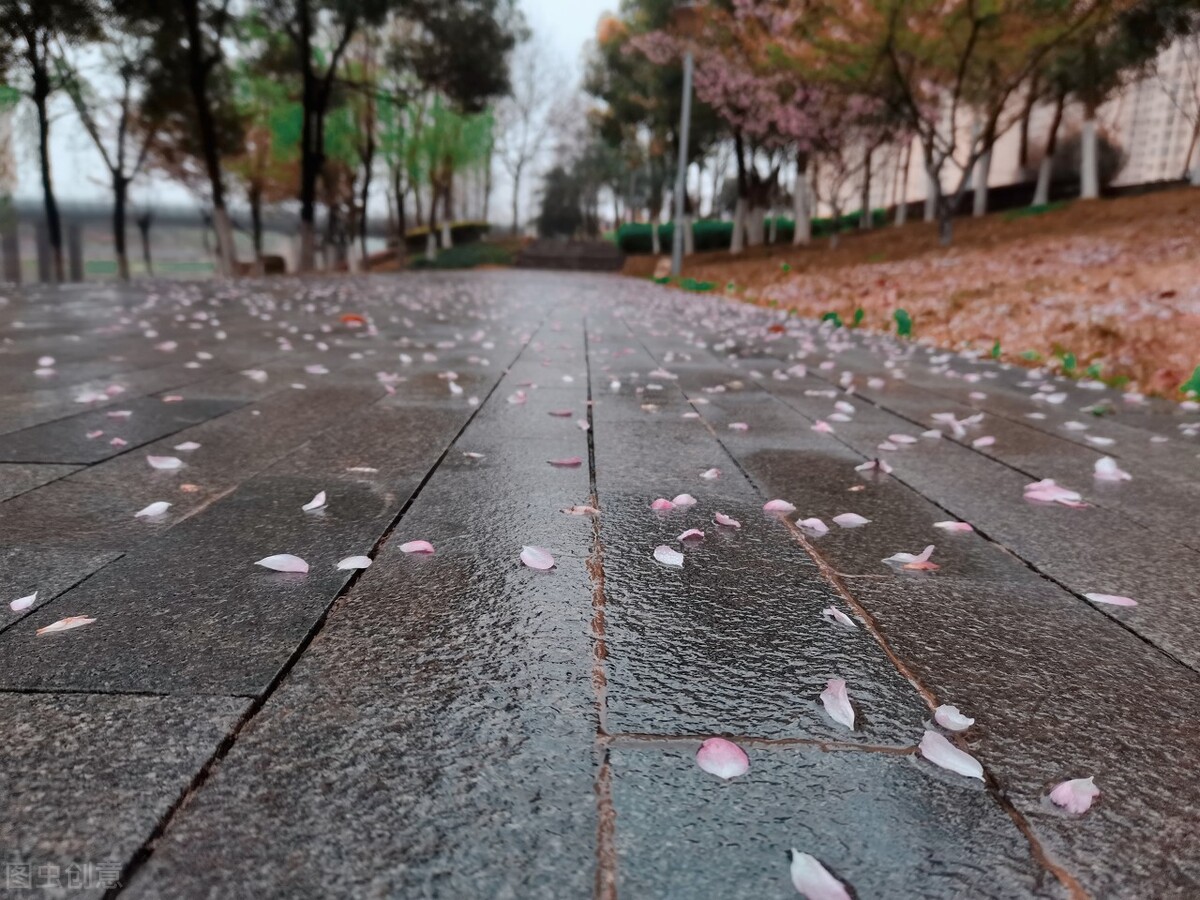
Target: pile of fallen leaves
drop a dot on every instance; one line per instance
(1106, 285)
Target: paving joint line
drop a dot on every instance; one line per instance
(201, 777)
(606, 853)
(17, 621)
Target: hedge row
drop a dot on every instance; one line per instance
(460, 233)
(466, 256)
(717, 234)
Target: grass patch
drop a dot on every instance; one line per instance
(1025, 212)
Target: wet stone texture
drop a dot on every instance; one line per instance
(459, 725)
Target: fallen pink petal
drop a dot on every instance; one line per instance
(726, 521)
(569, 462)
(283, 562)
(814, 525)
(813, 880)
(850, 520)
(416, 547)
(832, 612)
(951, 719)
(953, 526)
(1076, 795)
(317, 502)
(780, 506)
(1106, 469)
(1112, 599)
(66, 624)
(668, 556)
(692, 534)
(581, 510)
(164, 463)
(662, 504)
(939, 751)
(722, 758)
(684, 500)
(537, 558)
(837, 702)
(355, 562)
(23, 603)
(154, 509)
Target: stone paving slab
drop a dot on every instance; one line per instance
(48, 573)
(17, 478)
(86, 779)
(66, 440)
(889, 826)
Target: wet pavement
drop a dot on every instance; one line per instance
(457, 724)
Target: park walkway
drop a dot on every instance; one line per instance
(460, 725)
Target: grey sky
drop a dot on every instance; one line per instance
(80, 175)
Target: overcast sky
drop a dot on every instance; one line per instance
(79, 173)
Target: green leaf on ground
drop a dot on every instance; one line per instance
(996, 350)
(904, 322)
(859, 315)
(832, 317)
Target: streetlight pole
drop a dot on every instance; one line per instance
(685, 121)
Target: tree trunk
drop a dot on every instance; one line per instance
(448, 214)
(902, 206)
(945, 223)
(41, 94)
(255, 197)
(864, 213)
(983, 170)
(143, 224)
(1089, 164)
(655, 243)
(801, 202)
(120, 192)
(738, 241)
(1190, 172)
(689, 236)
(932, 191)
(516, 200)
(1026, 116)
(1041, 195)
(365, 195)
(198, 85)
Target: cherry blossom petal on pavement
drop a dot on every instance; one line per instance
(1076, 795)
(813, 880)
(727, 521)
(23, 603)
(953, 526)
(355, 562)
(850, 520)
(65, 624)
(154, 509)
(537, 558)
(416, 547)
(668, 556)
(164, 463)
(722, 758)
(580, 509)
(283, 562)
(814, 525)
(317, 502)
(837, 702)
(951, 719)
(832, 612)
(684, 500)
(692, 534)
(569, 462)
(916, 562)
(1107, 470)
(939, 751)
(781, 506)
(874, 465)
(710, 474)
(187, 446)
(1112, 599)
(662, 504)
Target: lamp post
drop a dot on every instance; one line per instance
(685, 121)
(686, 21)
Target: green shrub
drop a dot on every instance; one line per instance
(466, 256)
